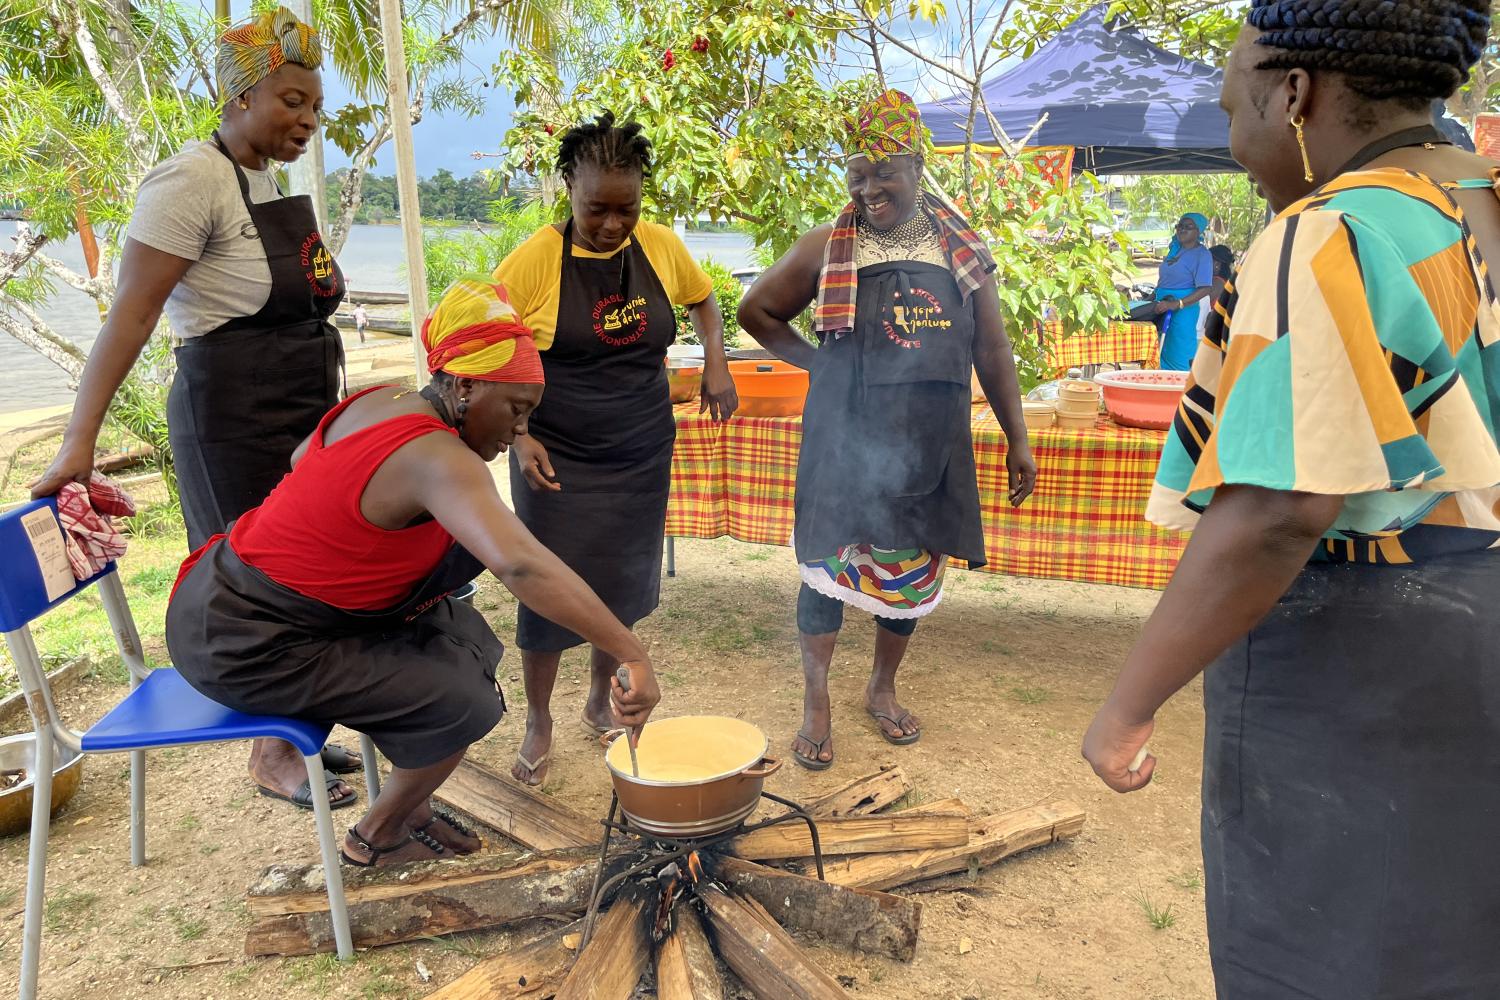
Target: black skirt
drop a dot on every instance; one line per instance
(419, 679)
(1351, 789)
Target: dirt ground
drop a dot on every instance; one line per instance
(1006, 675)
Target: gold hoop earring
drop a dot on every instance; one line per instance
(1297, 123)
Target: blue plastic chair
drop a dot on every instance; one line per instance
(161, 710)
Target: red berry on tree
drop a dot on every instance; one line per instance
(668, 60)
(548, 129)
(700, 44)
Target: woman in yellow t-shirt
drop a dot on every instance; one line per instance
(598, 293)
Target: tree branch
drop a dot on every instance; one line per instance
(37, 335)
(69, 14)
(11, 261)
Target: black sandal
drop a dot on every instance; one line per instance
(341, 760)
(453, 824)
(302, 797)
(813, 763)
(376, 853)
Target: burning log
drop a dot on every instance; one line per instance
(854, 835)
(761, 953)
(533, 970)
(613, 960)
(526, 816)
(685, 965)
(862, 796)
(992, 839)
(408, 902)
(876, 923)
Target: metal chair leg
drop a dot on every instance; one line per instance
(137, 807)
(372, 768)
(332, 875)
(36, 862)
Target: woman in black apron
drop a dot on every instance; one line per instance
(886, 486)
(250, 389)
(590, 479)
(1338, 591)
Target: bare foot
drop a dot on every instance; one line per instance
(276, 765)
(535, 749)
(398, 851)
(815, 740)
(444, 829)
(896, 723)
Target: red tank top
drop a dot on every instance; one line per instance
(310, 536)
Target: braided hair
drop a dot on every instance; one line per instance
(1411, 51)
(606, 146)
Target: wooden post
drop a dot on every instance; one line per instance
(408, 902)
(876, 923)
(612, 962)
(306, 173)
(523, 814)
(854, 835)
(686, 968)
(761, 953)
(399, 106)
(863, 796)
(992, 839)
(535, 969)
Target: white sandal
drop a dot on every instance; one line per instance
(533, 767)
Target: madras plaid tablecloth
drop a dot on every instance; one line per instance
(1085, 522)
(1124, 341)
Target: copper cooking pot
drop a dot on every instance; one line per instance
(699, 775)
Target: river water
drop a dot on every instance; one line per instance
(373, 260)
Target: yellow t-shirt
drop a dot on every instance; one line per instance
(532, 273)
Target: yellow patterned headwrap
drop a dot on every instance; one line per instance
(250, 52)
(890, 125)
(474, 332)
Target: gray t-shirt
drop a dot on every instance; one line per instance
(190, 207)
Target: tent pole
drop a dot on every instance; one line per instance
(306, 174)
(406, 174)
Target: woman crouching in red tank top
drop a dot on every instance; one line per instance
(328, 602)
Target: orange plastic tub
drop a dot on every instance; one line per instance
(769, 388)
(1142, 398)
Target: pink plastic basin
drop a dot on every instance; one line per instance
(1144, 398)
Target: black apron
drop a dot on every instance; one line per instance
(417, 678)
(246, 393)
(606, 421)
(887, 453)
(1351, 788)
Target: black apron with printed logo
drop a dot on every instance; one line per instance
(418, 678)
(606, 422)
(887, 453)
(247, 392)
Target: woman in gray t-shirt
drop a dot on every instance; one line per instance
(248, 288)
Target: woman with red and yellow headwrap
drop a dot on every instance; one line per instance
(328, 602)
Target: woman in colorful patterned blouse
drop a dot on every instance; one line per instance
(886, 486)
(1336, 450)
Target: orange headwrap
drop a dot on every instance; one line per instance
(474, 332)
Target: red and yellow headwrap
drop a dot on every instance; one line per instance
(250, 52)
(474, 332)
(890, 125)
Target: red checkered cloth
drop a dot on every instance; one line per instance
(86, 514)
(1124, 341)
(1085, 522)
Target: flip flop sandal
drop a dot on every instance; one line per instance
(452, 824)
(341, 760)
(302, 797)
(901, 741)
(532, 766)
(596, 732)
(376, 853)
(813, 763)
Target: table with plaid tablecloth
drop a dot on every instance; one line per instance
(1123, 341)
(1085, 522)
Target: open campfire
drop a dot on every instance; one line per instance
(736, 900)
